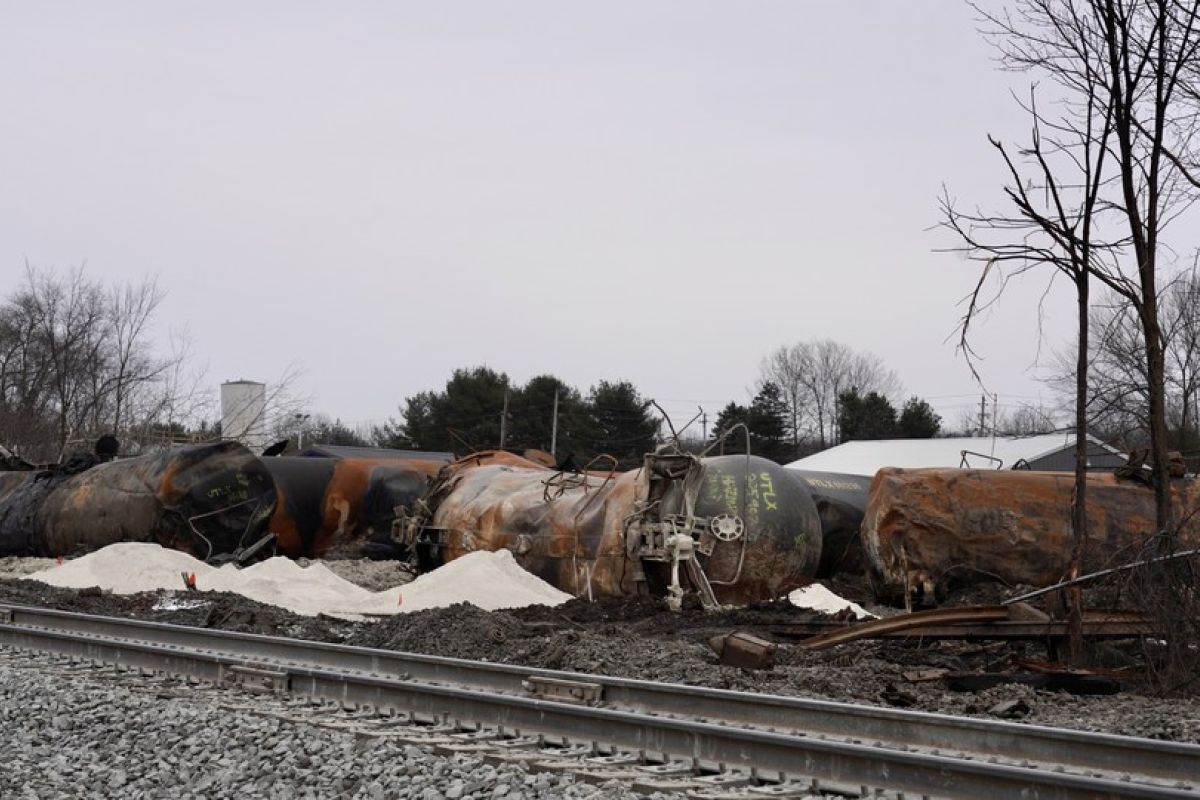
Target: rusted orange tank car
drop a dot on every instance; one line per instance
(929, 530)
(737, 529)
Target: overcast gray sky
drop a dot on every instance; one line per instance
(382, 192)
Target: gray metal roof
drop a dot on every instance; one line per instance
(347, 451)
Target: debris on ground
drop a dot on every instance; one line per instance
(741, 649)
(816, 597)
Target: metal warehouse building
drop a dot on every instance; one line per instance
(1051, 452)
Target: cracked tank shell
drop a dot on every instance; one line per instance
(780, 548)
(222, 488)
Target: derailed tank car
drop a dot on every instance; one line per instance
(205, 499)
(841, 501)
(929, 530)
(737, 529)
(343, 507)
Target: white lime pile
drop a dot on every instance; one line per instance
(282, 582)
(125, 568)
(485, 579)
(818, 598)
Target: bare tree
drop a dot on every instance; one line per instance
(786, 367)
(1027, 420)
(1101, 177)
(130, 310)
(77, 360)
(812, 375)
(1118, 381)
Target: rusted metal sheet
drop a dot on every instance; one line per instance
(841, 501)
(203, 499)
(929, 530)
(343, 507)
(753, 530)
(745, 650)
(971, 623)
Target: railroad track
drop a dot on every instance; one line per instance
(710, 742)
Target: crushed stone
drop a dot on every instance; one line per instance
(636, 637)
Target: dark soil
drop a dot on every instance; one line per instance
(639, 638)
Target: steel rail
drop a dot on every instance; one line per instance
(642, 715)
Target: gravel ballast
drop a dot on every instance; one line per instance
(88, 738)
(637, 638)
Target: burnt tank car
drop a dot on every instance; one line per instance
(928, 531)
(737, 529)
(206, 500)
(841, 501)
(343, 507)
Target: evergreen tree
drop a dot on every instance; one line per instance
(464, 416)
(729, 416)
(531, 409)
(869, 417)
(620, 423)
(766, 418)
(613, 419)
(768, 423)
(918, 420)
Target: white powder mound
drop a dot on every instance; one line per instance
(486, 579)
(125, 568)
(817, 598)
(282, 582)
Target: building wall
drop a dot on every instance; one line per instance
(1099, 460)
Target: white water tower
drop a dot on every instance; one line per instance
(244, 413)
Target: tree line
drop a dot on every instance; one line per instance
(480, 409)
(77, 361)
(815, 394)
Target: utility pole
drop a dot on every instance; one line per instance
(704, 423)
(554, 429)
(504, 418)
(982, 414)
